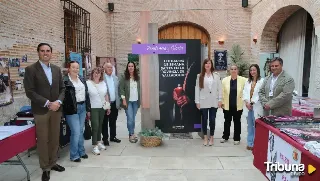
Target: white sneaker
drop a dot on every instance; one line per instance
(95, 150)
(101, 146)
(236, 142)
(223, 141)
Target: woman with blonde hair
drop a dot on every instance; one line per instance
(76, 105)
(232, 91)
(97, 89)
(208, 97)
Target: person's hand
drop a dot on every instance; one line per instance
(248, 105)
(220, 104)
(266, 107)
(124, 102)
(88, 115)
(54, 106)
(198, 106)
(182, 100)
(108, 111)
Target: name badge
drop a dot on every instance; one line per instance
(270, 93)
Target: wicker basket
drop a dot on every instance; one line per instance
(150, 141)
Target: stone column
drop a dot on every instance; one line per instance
(144, 71)
(153, 77)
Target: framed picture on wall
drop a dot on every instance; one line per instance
(220, 60)
(6, 95)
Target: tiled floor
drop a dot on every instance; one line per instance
(175, 160)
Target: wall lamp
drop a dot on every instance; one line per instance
(255, 40)
(221, 42)
(139, 41)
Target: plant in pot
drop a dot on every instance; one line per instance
(151, 137)
(236, 58)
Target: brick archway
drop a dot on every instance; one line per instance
(268, 17)
(185, 30)
(266, 21)
(268, 42)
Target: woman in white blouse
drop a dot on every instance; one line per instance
(208, 96)
(129, 89)
(98, 96)
(75, 106)
(252, 108)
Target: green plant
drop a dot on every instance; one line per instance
(152, 132)
(236, 58)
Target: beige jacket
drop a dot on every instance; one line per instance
(204, 97)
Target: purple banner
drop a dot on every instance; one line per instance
(161, 48)
(197, 125)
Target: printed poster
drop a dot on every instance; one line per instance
(284, 153)
(177, 80)
(6, 96)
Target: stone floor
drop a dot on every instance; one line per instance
(175, 160)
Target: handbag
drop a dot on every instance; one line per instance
(87, 131)
(106, 104)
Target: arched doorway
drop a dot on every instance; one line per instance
(186, 30)
(290, 34)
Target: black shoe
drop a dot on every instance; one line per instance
(106, 143)
(58, 168)
(115, 140)
(77, 160)
(84, 156)
(45, 176)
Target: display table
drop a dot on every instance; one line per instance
(18, 143)
(260, 151)
(302, 110)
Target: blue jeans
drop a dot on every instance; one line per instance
(76, 124)
(212, 119)
(131, 113)
(251, 128)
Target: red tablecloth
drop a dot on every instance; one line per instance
(261, 148)
(18, 143)
(299, 112)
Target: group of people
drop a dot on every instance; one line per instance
(54, 96)
(251, 97)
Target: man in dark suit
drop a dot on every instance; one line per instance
(44, 87)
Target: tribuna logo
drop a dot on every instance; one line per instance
(295, 169)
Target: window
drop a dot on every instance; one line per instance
(77, 35)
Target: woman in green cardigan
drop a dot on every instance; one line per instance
(130, 95)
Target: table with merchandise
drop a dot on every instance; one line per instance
(291, 140)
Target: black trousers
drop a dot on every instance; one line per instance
(230, 115)
(212, 119)
(110, 121)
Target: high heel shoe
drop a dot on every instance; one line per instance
(211, 142)
(205, 143)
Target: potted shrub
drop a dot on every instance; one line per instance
(236, 58)
(151, 137)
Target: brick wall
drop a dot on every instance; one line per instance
(268, 17)
(24, 24)
(223, 19)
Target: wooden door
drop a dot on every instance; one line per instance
(185, 31)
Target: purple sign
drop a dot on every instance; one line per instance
(197, 125)
(165, 48)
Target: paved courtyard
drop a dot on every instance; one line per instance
(175, 160)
